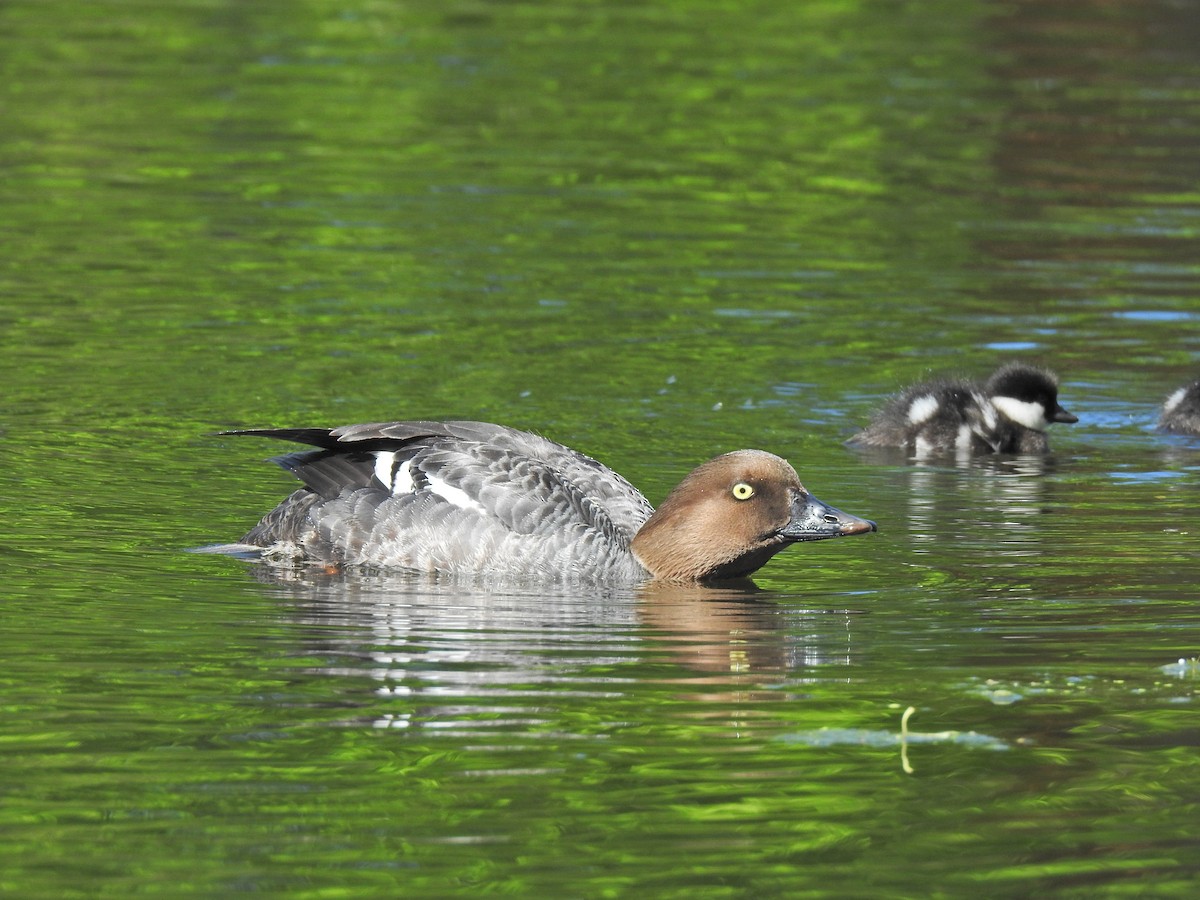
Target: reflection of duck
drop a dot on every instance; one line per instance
(734, 632)
(1009, 413)
(469, 498)
(1181, 411)
(438, 647)
(417, 652)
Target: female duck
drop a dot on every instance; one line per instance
(1009, 413)
(469, 498)
(1181, 411)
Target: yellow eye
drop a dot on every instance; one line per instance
(743, 491)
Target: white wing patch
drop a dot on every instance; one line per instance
(399, 481)
(1031, 415)
(921, 409)
(403, 483)
(1174, 400)
(454, 496)
(384, 460)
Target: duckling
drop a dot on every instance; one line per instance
(1009, 413)
(475, 499)
(1181, 411)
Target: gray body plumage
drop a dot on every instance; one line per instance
(464, 497)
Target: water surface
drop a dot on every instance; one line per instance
(655, 233)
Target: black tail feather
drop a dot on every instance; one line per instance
(317, 437)
(328, 473)
(331, 439)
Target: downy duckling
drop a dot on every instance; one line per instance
(474, 499)
(1009, 413)
(1181, 411)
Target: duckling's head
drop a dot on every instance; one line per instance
(1027, 395)
(731, 515)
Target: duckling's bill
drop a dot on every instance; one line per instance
(1061, 415)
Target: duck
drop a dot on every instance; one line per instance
(1181, 411)
(1008, 413)
(461, 498)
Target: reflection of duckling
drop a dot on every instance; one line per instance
(1009, 413)
(1181, 411)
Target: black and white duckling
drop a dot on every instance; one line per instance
(473, 499)
(1009, 413)
(1181, 411)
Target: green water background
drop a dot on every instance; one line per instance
(655, 232)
